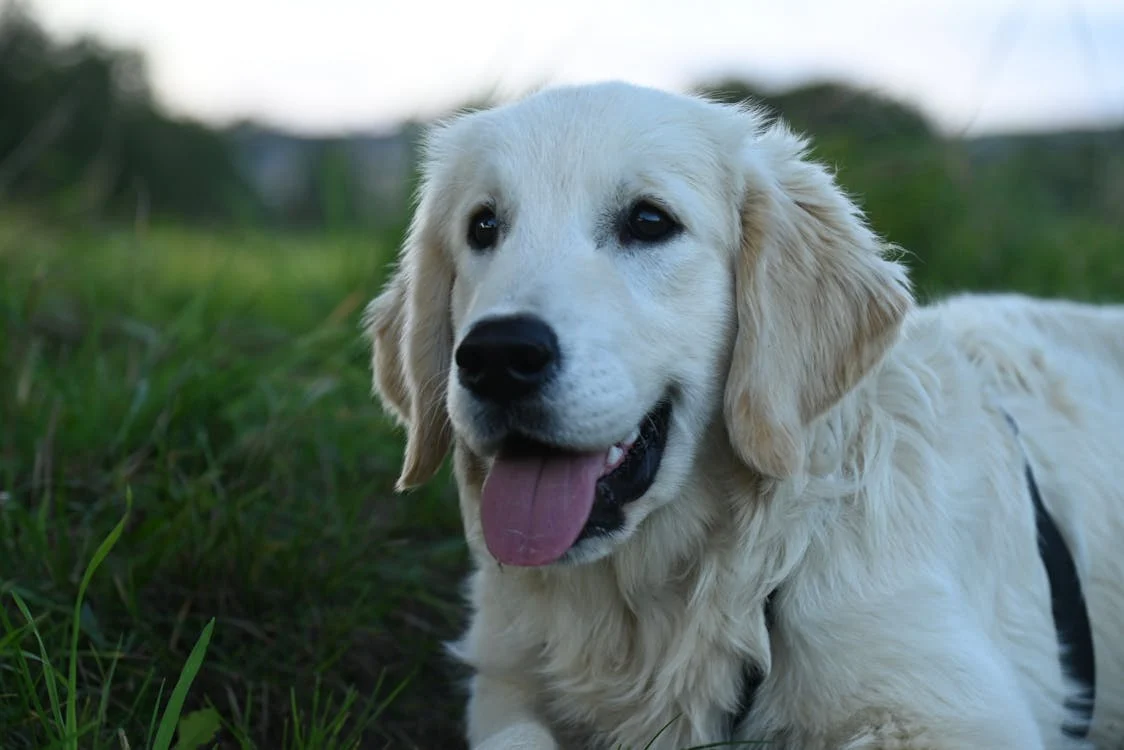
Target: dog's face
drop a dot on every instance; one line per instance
(594, 276)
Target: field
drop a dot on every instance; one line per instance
(201, 399)
(220, 382)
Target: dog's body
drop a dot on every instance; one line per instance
(805, 434)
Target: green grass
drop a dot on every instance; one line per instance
(193, 729)
(221, 382)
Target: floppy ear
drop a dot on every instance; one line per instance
(818, 304)
(410, 327)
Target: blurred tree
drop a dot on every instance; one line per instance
(969, 210)
(79, 130)
(828, 107)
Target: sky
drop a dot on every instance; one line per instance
(322, 66)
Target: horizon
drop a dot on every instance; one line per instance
(1026, 66)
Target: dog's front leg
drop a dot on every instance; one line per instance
(500, 717)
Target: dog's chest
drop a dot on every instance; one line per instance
(623, 676)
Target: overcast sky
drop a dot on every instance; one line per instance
(326, 65)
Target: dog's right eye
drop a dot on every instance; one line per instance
(647, 222)
(483, 228)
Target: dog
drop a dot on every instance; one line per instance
(721, 477)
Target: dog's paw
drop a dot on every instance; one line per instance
(526, 735)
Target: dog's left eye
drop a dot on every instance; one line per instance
(483, 229)
(647, 222)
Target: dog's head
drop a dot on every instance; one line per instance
(594, 276)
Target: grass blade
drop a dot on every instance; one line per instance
(24, 670)
(662, 730)
(72, 676)
(48, 670)
(155, 709)
(170, 719)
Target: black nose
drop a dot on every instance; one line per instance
(506, 359)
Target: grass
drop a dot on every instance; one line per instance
(193, 729)
(221, 383)
(199, 544)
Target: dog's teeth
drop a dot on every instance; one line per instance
(632, 438)
(616, 453)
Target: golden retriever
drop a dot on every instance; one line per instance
(720, 477)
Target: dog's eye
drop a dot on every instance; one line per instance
(483, 229)
(647, 222)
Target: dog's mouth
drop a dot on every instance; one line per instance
(539, 500)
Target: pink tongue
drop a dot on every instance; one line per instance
(533, 508)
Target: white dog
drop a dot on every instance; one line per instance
(720, 478)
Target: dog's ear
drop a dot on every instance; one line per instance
(410, 327)
(818, 303)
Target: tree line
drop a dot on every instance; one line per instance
(82, 135)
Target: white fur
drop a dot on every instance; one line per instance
(828, 438)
